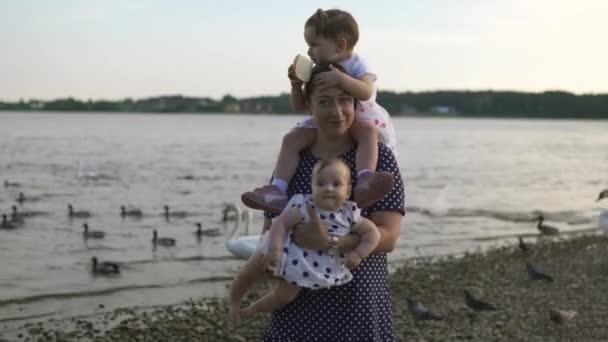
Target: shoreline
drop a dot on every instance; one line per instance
(578, 264)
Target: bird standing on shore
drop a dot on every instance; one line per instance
(536, 273)
(545, 229)
(603, 194)
(524, 247)
(420, 312)
(476, 303)
(561, 316)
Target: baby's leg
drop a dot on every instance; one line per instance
(247, 276)
(281, 295)
(366, 134)
(273, 197)
(371, 186)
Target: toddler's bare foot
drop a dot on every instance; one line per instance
(235, 313)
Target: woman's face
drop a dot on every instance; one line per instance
(333, 110)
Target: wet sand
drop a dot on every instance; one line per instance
(579, 266)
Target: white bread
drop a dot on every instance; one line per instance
(303, 67)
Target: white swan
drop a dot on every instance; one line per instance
(241, 246)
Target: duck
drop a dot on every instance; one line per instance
(8, 184)
(80, 213)
(6, 224)
(163, 241)
(105, 267)
(602, 195)
(16, 218)
(179, 214)
(30, 213)
(92, 234)
(207, 232)
(131, 212)
(545, 229)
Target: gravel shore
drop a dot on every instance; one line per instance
(579, 266)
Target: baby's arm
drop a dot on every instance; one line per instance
(279, 228)
(370, 236)
(361, 89)
(298, 101)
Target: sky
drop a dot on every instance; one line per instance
(114, 49)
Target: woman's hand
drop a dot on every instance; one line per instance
(353, 259)
(311, 235)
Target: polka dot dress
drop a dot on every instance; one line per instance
(315, 269)
(359, 310)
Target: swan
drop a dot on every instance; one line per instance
(80, 213)
(105, 268)
(92, 234)
(603, 222)
(241, 246)
(163, 241)
(545, 229)
(131, 212)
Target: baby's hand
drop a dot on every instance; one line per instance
(329, 79)
(353, 259)
(291, 74)
(272, 259)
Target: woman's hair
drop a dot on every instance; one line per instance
(335, 24)
(324, 163)
(310, 86)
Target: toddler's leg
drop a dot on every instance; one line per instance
(281, 295)
(371, 186)
(248, 276)
(273, 197)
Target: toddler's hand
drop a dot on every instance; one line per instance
(353, 259)
(291, 74)
(329, 79)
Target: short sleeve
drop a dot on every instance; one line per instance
(395, 199)
(357, 67)
(352, 212)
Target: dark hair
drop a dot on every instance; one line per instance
(323, 163)
(309, 87)
(334, 24)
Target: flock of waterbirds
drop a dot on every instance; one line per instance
(17, 219)
(535, 273)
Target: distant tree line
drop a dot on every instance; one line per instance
(549, 104)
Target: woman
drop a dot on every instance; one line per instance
(361, 309)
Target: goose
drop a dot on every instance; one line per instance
(131, 212)
(207, 232)
(603, 194)
(178, 214)
(524, 247)
(30, 213)
(105, 268)
(92, 234)
(6, 224)
(8, 184)
(80, 213)
(241, 246)
(163, 241)
(545, 229)
(16, 218)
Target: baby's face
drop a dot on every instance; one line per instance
(331, 187)
(321, 49)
